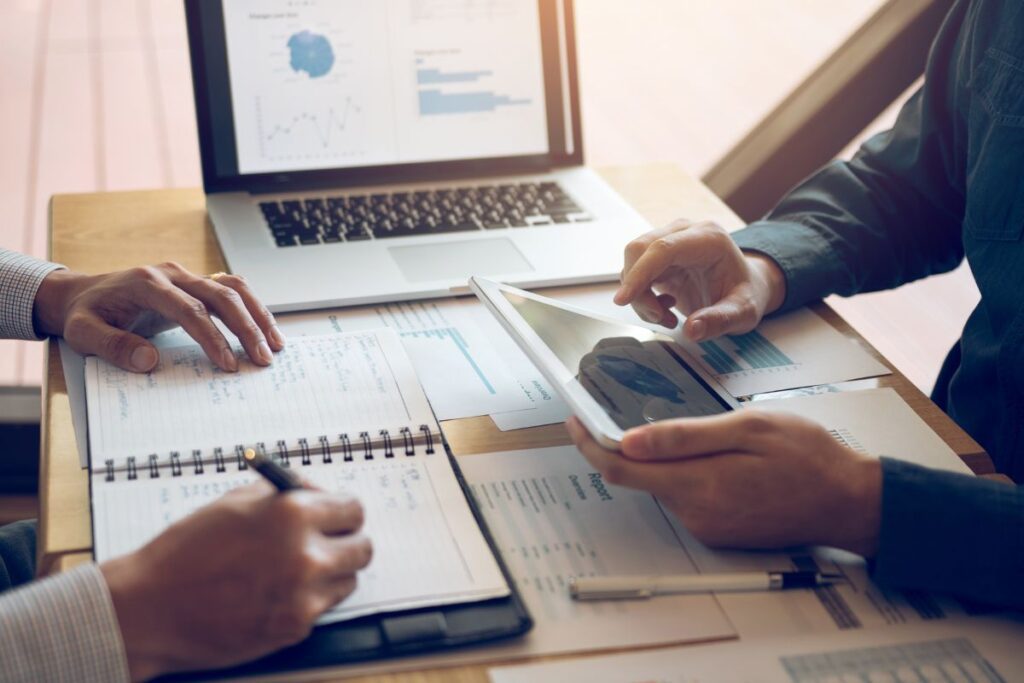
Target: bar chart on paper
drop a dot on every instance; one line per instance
(750, 351)
(977, 650)
(938, 661)
(796, 350)
(451, 335)
(465, 372)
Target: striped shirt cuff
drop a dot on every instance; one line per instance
(62, 628)
(20, 277)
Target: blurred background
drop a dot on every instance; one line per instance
(96, 96)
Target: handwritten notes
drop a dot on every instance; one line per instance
(413, 509)
(190, 416)
(318, 385)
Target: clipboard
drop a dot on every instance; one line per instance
(396, 634)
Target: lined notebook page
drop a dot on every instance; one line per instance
(323, 385)
(428, 549)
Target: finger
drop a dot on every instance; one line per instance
(613, 467)
(341, 588)
(656, 308)
(666, 300)
(263, 317)
(89, 334)
(735, 314)
(687, 437)
(226, 304)
(332, 514)
(175, 304)
(685, 248)
(648, 307)
(256, 489)
(637, 247)
(326, 594)
(668, 318)
(348, 554)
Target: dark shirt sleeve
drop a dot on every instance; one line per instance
(891, 214)
(951, 533)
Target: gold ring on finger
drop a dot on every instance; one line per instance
(216, 276)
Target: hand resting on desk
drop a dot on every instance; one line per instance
(240, 578)
(109, 315)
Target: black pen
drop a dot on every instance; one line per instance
(282, 479)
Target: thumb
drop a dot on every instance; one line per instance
(732, 315)
(90, 334)
(683, 438)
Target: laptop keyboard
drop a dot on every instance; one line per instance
(352, 218)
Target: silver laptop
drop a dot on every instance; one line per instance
(358, 152)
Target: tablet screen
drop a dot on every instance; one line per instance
(636, 375)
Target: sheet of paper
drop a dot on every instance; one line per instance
(553, 517)
(414, 509)
(874, 421)
(798, 349)
(466, 362)
(970, 650)
(553, 412)
(323, 385)
(74, 379)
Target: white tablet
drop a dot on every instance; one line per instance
(613, 375)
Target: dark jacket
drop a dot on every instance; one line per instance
(946, 182)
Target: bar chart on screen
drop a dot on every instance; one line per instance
(479, 98)
(796, 350)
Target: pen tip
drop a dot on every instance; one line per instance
(249, 454)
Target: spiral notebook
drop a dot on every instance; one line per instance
(346, 411)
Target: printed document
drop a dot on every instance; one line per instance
(553, 517)
(968, 650)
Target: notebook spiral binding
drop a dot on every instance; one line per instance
(303, 452)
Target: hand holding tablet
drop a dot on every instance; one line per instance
(613, 376)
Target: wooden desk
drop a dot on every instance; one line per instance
(96, 233)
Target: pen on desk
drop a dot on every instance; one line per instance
(641, 587)
(282, 479)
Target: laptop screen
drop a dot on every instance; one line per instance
(293, 87)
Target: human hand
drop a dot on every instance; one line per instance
(238, 579)
(109, 315)
(750, 479)
(698, 269)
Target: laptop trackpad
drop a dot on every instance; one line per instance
(459, 260)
